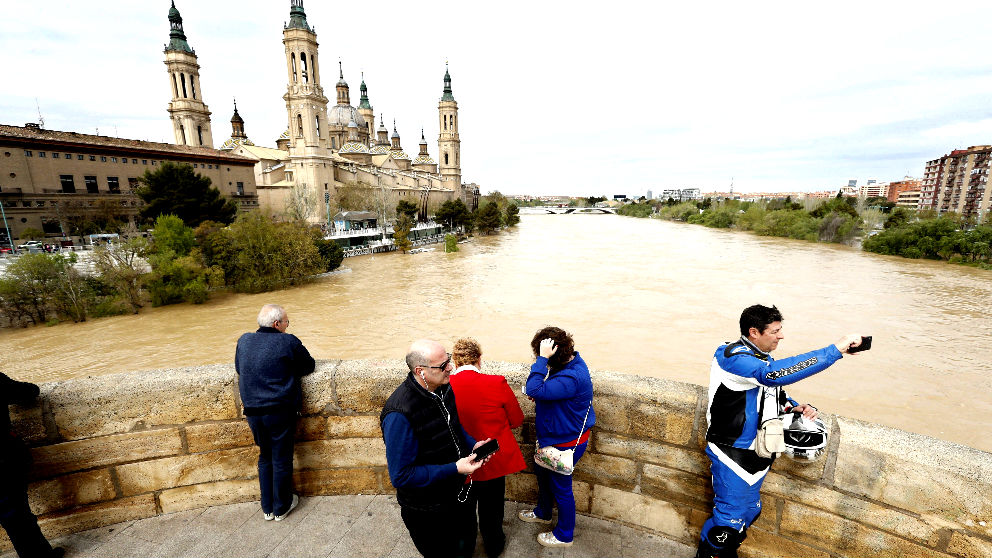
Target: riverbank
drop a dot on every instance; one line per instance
(839, 220)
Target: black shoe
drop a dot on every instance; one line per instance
(57, 552)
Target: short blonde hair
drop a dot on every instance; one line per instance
(466, 351)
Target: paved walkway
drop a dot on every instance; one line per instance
(336, 526)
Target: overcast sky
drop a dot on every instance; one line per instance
(579, 98)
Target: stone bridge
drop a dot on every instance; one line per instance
(168, 454)
(555, 210)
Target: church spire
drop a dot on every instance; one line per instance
(177, 38)
(297, 17)
(344, 98)
(237, 124)
(364, 104)
(447, 85)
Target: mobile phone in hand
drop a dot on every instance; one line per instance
(864, 346)
(485, 450)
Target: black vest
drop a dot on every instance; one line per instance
(439, 440)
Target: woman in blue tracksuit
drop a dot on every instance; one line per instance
(745, 382)
(561, 387)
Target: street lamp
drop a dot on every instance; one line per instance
(10, 240)
(327, 204)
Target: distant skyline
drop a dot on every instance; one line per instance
(554, 99)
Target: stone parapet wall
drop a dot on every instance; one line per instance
(129, 446)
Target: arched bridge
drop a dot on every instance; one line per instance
(556, 210)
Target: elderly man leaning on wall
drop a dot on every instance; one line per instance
(270, 363)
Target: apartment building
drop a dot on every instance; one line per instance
(957, 183)
(905, 185)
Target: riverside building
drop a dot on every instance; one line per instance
(49, 178)
(957, 183)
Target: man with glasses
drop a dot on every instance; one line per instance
(270, 363)
(429, 455)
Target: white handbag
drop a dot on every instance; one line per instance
(770, 439)
(559, 460)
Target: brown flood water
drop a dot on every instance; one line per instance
(641, 296)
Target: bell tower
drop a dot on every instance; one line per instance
(306, 104)
(189, 114)
(448, 144)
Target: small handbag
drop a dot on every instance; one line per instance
(558, 460)
(770, 439)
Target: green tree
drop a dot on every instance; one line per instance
(31, 233)
(450, 243)
(178, 273)
(269, 255)
(122, 267)
(36, 286)
(331, 253)
(172, 237)
(401, 231)
(512, 215)
(177, 190)
(408, 208)
(487, 218)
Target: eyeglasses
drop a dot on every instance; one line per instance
(443, 364)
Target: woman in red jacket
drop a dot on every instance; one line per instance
(487, 408)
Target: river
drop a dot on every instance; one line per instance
(641, 296)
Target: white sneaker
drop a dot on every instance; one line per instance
(549, 539)
(296, 502)
(268, 516)
(530, 517)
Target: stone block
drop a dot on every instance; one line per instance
(649, 408)
(97, 515)
(330, 482)
(675, 457)
(607, 470)
(763, 544)
(116, 403)
(673, 485)
(212, 436)
(582, 492)
(319, 396)
(311, 428)
(946, 483)
(345, 452)
(844, 537)
(369, 383)
(637, 509)
(27, 421)
(850, 507)
(105, 450)
(963, 544)
(803, 469)
(209, 494)
(362, 426)
(521, 487)
(158, 474)
(69, 491)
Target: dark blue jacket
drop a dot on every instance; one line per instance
(561, 401)
(270, 364)
(14, 455)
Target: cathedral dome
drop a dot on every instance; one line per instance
(341, 115)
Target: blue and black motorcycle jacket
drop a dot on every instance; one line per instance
(740, 375)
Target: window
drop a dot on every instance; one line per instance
(182, 78)
(28, 153)
(91, 187)
(113, 185)
(199, 134)
(153, 163)
(175, 85)
(68, 156)
(196, 166)
(241, 188)
(123, 160)
(68, 187)
(134, 161)
(113, 159)
(132, 183)
(92, 157)
(192, 87)
(144, 161)
(103, 159)
(41, 154)
(333, 143)
(80, 157)
(55, 155)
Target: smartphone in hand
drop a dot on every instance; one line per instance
(864, 346)
(486, 449)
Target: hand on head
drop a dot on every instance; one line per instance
(548, 348)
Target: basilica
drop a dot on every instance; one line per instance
(326, 148)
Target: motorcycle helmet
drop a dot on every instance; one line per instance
(805, 439)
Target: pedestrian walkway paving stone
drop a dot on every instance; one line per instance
(337, 526)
